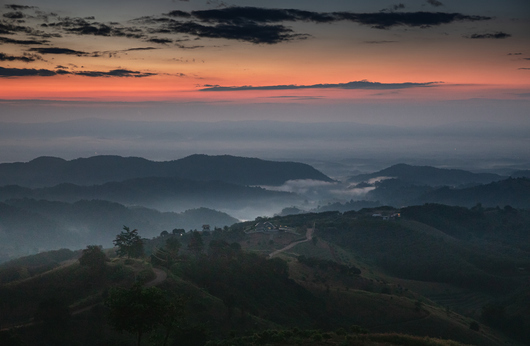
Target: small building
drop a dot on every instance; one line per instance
(265, 226)
(206, 228)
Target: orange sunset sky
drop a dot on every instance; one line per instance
(79, 78)
(177, 50)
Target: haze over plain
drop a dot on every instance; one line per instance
(411, 68)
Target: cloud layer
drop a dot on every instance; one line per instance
(29, 72)
(349, 86)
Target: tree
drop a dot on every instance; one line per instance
(173, 315)
(136, 310)
(195, 244)
(93, 258)
(167, 255)
(129, 243)
(179, 231)
(173, 245)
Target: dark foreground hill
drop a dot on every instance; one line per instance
(50, 171)
(431, 176)
(224, 289)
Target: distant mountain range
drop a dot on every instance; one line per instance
(169, 194)
(431, 176)
(396, 192)
(29, 225)
(521, 174)
(512, 192)
(51, 171)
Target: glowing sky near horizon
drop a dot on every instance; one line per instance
(249, 50)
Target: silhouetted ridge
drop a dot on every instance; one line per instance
(157, 192)
(427, 175)
(51, 171)
(513, 192)
(521, 174)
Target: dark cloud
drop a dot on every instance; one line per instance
(526, 58)
(80, 26)
(255, 25)
(349, 86)
(435, 3)
(14, 15)
(55, 50)
(24, 72)
(239, 15)
(152, 20)
(380, 20)
(139, 48)
(22, 42)
(24, 58)
(160, 40)
(250, 24)
(88, 29)
(188, 47)
(18, 7)
(385, 20)
(178, 13)
(249, 32)
(496, 35)
(114, 73)
(524, 68)
(515, 53)
(11, 29)
(7, 28)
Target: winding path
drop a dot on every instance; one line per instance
(308, 237)
(161, 276)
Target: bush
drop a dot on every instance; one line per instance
(145, 276)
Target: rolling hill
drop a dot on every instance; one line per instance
(512, 192)
(166, 194)
(29, 225)
(236, 295)
(431, 176)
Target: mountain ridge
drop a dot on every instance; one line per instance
(428, 175)
(47, 171)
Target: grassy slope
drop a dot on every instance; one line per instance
(349, 300)
(357, 301)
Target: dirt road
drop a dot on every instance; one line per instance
(308, 237)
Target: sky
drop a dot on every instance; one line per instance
(400, 63)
